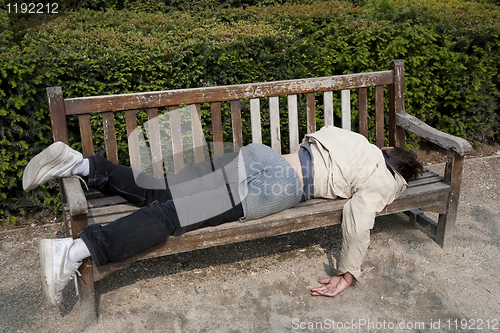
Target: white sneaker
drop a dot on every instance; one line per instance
(56, 268)
(54, 162)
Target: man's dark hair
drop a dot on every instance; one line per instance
(405, 161)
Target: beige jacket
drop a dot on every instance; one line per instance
(346, 165)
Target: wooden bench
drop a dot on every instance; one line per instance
(431, 192)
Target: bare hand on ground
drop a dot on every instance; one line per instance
(334, 285)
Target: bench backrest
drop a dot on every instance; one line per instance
(252, 93)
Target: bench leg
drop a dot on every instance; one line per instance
(446, 222)
(88, 311)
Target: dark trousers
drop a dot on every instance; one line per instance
(155, 221)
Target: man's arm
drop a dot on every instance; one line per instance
(358, 217)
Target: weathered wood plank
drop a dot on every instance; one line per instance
(105, 201)
(363, 111)
(75, 199)
(133, 140)
(446, 221)
(328, 107)
(255, 120)
(396, 103)
(86, 135)
(217, 128)
(236, 125)
(425, 131)
(108, 214)
(198, 137)
(311, 112)
(108, 123)
(293, 122)
(379, 116)
(155, 142)
(345, 101)
(57, 114)
(77, 204)
(274, 118)
(175, 128)
(425, 181)
(108, 218)
(223, 93)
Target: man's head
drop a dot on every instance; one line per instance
(405, 162)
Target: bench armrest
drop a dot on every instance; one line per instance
(447, 141)
(75, 198)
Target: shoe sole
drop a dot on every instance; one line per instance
(42, 163)
(46, 268)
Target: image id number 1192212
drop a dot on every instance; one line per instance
(32, 8)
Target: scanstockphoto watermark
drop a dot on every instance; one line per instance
(357, 325)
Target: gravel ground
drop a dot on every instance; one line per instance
(411, 284)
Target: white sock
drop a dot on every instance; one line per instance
(81, 168)
(78, 251)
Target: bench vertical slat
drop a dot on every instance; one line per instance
(293, 122)
(86, 134)
(198, 143)
(363, 111)
(328, 105)
(175, 129)
(396, 103)
(217, 128)
(255, 120)
(155, 142)
(57, 114)
(108, 122)
(311, 112)
(133, 140)
(236, 124)
(345, 100)
(274, 118)
(379, 115)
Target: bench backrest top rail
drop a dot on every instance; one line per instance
(95, 104)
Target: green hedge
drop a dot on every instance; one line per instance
(451, 52)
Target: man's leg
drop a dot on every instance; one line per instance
(115, 179)
(139, 188)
